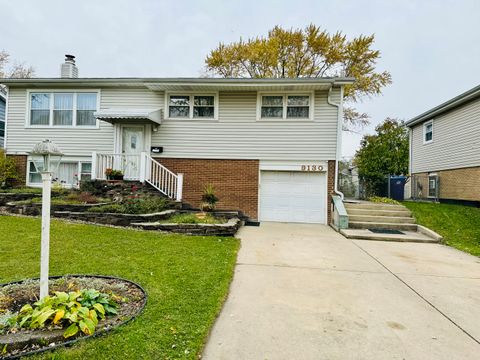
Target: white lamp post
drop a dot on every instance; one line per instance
(46, 157)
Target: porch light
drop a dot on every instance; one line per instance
(46, 157)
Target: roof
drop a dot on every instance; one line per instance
(185, 84)
(446, 106)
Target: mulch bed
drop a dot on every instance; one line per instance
(24, 341)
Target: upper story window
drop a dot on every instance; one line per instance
(428, 132)
(191, 106)
(285, 106)
(2, 128)
(63, 109)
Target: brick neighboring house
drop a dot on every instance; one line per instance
(269, 146)
(445, 150)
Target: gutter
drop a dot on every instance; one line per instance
(339, 136)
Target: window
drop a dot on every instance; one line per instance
(191, 106)
(40, 109)
(68, 173)
(86, 106)
(285, 106)
(2, 128)
(63, 109)
(432, 186)
(34, 177)
(428, 132)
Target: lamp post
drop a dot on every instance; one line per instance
(46, 157)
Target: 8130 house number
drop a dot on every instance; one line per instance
(312, 168)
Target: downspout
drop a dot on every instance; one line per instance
(339, 135)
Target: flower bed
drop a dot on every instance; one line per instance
(28, 325)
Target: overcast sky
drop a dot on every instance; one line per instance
(431, 48)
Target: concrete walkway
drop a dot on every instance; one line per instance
(305, 292)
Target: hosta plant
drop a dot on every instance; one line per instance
(76, 311)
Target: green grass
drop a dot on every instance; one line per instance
(459, 225)
(383, 200)
(193, 219)
(186, 278)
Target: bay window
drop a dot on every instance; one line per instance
(191, 106)
(63, 109)
(285, 106)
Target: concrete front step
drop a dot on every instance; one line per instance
(407, 236)
(373, 206)
(402, 213)
(381, 225)
(381, 219)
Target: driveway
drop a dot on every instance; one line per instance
(303, 291)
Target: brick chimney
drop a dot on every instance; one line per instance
(68, 68)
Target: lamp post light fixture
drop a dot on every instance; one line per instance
(46, 157)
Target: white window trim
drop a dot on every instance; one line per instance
(74, 115)
(285, 94)
(191, 94)
(66, 160)
(425, 124)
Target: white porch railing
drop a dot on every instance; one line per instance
(141, 167)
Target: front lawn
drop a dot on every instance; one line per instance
(186, 279)
(459, 225)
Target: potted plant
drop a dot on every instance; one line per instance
(209, 199)
(108, 173)
(113, 174)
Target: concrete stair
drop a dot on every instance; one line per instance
(364, 216)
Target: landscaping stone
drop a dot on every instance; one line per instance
(11, 197)
(229, 228)
(35, 209)
(113, 218)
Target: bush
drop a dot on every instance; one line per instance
(384, 200)
(138, 205)
(95, 187)
(194, 219)
(8, 170)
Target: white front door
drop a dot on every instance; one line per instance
(132, 146)
(293, 196)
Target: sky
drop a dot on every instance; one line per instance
(431, 48)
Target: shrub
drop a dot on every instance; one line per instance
(384, 200)
(77, 311)
(95, 187)
(8, 170)
(209, 199)
(194, 219)
(146, 205)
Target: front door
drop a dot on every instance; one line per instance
(132, 146)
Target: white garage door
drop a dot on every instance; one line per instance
(292, 196)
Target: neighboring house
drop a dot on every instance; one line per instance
(445, 150)
(268, 146)
(3, 101)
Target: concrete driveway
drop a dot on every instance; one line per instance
(305, 292)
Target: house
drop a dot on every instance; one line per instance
(3, 101)
(445, 151)
(268, 146)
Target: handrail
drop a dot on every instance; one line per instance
(141, 167)
(340, 216)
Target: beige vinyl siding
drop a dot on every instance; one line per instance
(456, 141)
(235, 135)
(72, 141)
(238, 135)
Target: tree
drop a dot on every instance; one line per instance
(16, 70)
(8, 170)
(307, 53)
(382, 154)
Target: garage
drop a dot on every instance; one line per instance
(293, 196)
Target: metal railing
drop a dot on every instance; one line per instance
(141, 167)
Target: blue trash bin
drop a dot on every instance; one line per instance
(397, 187)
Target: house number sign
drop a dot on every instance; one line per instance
(313, 168)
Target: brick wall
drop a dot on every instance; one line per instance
(457, 184)
(21, 165)
(235, 181)
(330, 189)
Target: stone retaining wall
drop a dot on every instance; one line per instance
(10, 197)
(36, 209)
(229, 228)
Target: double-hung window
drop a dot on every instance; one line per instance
(191, 106)
(63, 109)
(285, 106)
(428, 132)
